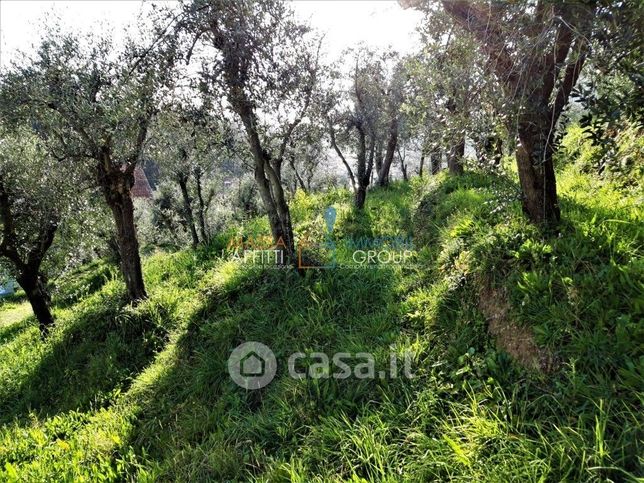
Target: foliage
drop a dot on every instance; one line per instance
(155, 402)
(37, 197)
(525, 341)
(621, 161)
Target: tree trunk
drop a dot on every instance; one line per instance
(363, 173)
(34, 286)
(497, 150)
(455, 160)
(279, 218)
(298, 179)
(435, 161)
(360, 197)
(187, 209)
(403, 168)
(422, 163)
(335, 146)
(116, 189)
(379, 157)
(537, 176)
(490, 151)
(202, 208)
(267, 178)
(392, 143)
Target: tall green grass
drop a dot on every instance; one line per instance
(118, 393)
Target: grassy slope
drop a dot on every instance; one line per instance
(143, 393)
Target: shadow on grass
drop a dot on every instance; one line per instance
(11, 331)
(82, 282)
(575, 285)
(89, 355)
(196, 409)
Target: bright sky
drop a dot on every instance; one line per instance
(346, 23)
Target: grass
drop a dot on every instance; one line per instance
(14, 310)
(143, 394)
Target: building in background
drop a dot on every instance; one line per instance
(141, 188)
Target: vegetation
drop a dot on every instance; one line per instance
(142, 393)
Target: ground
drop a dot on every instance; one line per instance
(525, 345)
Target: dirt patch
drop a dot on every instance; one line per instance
(516, 340)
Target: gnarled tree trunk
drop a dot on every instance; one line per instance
(268, 182)
(34, 285)
(116, 186)
(537, 174)
(392, 144)
(364, 167)
(278, 212)
(455, 159)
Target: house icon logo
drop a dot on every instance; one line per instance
(252, 365)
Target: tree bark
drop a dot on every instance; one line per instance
(435, 161)
(537, 176)
(202, 207)
(187, 209)
(116, 186)
(279, 216)
(392, 143)
(36, 289)
(455, 160)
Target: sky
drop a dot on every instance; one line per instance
(346, 23)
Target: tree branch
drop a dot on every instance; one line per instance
(334, 144)
(485, 28)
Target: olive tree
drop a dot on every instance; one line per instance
(262, 61)
(187, 145)
(93, 104)
(537, 51)
(37, 194)
(362, 111)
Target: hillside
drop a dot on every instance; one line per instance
(525, 349)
